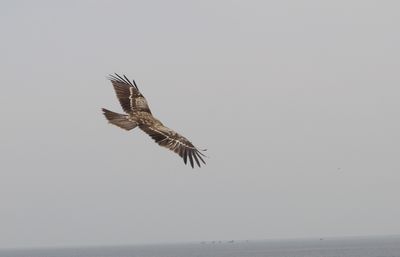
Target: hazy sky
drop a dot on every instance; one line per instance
(297, 103)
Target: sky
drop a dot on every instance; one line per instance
(297, 103)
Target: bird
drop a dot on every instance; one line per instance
(138, 114)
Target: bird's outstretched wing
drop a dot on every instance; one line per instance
(170, 139)
(128, 94)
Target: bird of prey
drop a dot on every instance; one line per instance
(138, 114)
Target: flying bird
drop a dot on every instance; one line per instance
(138, 114)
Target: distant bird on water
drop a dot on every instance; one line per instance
(139, 115)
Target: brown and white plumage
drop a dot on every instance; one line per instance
(138, 114)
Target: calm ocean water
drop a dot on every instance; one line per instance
(329, 247)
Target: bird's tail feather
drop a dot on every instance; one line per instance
(120, 120)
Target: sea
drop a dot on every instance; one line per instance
(388, 246)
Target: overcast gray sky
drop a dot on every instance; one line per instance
(297, 103)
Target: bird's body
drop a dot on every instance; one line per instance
(138, 114)
(146, 119)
